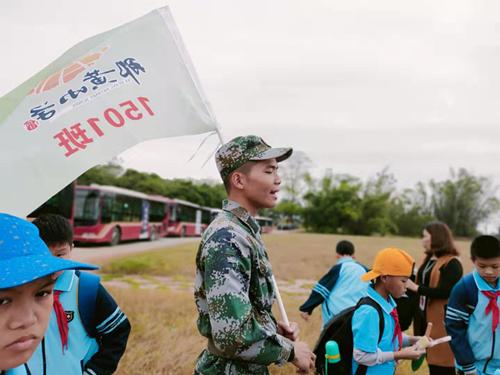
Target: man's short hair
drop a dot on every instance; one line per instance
(485, 246)
(54, 229)
(345, 248)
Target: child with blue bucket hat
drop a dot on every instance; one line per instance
(27, 270)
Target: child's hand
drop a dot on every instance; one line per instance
(410, 352)
(305, 315)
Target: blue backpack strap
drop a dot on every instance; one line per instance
(471, 291)
(87, 298)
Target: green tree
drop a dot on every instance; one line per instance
(376, 205)
(335, 206)
(463, 201)
(410, 211)
(102, 175)
(288, 211)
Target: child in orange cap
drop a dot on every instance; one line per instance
(377, 345)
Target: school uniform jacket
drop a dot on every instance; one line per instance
(339, 289)
(365, 333)
(474, 343)
(84, 354)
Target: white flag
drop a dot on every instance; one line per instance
(106, 94)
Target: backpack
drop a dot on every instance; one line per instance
(87, 299)
(339, 329)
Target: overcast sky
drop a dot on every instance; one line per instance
(356, 85)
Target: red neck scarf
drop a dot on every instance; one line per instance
(397, 329)
(62, 321)
(492, 307)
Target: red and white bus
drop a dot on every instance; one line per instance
(186, 219)
(110, 214)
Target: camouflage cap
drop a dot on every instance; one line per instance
(238, 151)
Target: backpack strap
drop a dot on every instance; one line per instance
(362, 369)
(471, 290)
(381, 324)
(87, 299)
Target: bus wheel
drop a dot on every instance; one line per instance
(183, 232)
(115, 237)
(153, 236)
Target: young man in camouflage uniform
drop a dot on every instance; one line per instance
(234, 291)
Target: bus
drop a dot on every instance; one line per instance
(110, 214)
(186, 219)
(265, 223)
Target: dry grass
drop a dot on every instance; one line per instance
(165, 340)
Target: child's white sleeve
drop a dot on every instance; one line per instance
(372, 359)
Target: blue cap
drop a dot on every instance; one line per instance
(24, 256)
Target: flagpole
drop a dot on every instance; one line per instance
(281, 306)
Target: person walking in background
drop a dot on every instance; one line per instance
(472, 314)
(436, 277)
(340, 288)
(234, 289)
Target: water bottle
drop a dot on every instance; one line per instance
(332, 356)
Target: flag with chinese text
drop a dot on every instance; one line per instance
(106, 94)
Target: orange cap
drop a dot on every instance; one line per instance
(392, 262)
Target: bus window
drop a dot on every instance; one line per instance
(186, 213)
(86, 207)
(107, 209)
(156, 211)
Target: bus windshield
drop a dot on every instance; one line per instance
(86, 207)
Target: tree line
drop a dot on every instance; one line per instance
(338, 203)
(209, 194)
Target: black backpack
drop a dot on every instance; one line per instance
(339, 329)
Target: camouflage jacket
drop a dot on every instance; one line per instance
(234, 294)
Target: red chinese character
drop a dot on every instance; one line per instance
(74, 136)
(31, 125)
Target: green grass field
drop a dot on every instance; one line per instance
(155, 289)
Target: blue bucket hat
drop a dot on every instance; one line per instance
(24, 257)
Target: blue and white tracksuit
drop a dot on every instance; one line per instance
(474, 344)
(339, 289)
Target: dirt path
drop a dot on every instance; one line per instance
(101, 254)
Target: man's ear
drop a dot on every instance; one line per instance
(238, 180)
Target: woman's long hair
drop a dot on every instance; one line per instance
(441, 240)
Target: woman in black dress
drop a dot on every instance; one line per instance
(436, 277)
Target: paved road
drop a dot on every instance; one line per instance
(101, 254)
